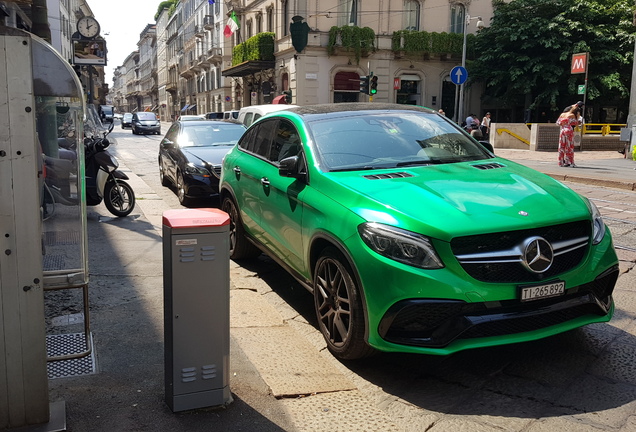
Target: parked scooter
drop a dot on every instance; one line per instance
(104, 182)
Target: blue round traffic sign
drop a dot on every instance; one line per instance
(458, 75)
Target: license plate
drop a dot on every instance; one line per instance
(542, 291)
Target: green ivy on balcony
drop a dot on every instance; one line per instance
(358, 40)
(432, 43)
(258, 48)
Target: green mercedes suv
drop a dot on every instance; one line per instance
(411, 235)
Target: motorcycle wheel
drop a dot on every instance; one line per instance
(119, 198)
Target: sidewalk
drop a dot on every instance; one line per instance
(601, 168)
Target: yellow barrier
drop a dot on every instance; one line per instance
(603, 128)
(500, 131)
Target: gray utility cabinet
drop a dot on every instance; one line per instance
(196, 281)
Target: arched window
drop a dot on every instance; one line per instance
(249, 29)
(346, 87)
(270, 19)
(411, 16)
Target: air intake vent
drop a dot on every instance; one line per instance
(489, 166)
(388, 176)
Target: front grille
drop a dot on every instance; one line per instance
(436, 323)
(530, 323)
(497, 257)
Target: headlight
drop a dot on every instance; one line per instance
(192, 169)
(400, 245)
(598, 224)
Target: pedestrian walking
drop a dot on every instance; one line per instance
(568, 121)
(485, 126)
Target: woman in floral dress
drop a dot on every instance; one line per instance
(568, 121)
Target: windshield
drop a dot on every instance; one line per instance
(385, 139)
(146, 116)
(207, 135)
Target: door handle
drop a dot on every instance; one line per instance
(237, 171)
(265, 181)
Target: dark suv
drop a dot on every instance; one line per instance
(145, 122)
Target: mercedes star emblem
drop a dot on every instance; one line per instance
(537, 254)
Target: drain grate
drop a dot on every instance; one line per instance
(66, 344)
(53, 262)
(53, 238)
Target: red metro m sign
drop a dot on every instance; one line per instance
(579, 63)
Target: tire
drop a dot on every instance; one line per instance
(119, 198)
(240, 246)
(338, 306)
(133, 130)
(162, 176)
(183, 199)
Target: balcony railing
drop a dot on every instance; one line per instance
(259, 47)
(208, 22)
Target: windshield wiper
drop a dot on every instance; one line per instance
(415, 162)
(359, 168)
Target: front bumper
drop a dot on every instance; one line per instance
(447, 310)
(144, 129)
(438, 323)
(197, 186)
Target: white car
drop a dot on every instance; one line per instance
(248, 115)
(191, 117)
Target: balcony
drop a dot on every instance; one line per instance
(208, 22)
(199, 31)
(203, 61)
(171, 86)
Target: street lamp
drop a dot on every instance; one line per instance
(480, 25)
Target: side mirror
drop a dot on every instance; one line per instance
(167, 143)
(110, 128)
(289, 167)
(488, 146)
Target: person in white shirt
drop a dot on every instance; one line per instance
(485, 126)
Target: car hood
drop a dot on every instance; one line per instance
(458, 199)
(212, 154)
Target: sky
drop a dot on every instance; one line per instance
(121, 22)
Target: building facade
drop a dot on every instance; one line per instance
(317, 51)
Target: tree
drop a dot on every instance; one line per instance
(524, 55)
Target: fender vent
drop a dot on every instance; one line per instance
(489, 166)
(388, 176)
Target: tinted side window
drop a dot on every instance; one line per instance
(263, 138)
(247, 139)
(286, 142)
(171, 135)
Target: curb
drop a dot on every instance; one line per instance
(631, 186)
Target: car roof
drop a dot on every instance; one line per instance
(267, 108)
(210, 122)
(356, 106)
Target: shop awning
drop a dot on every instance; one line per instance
(249, 68)
(185, 107)
(279, 100)
(192, 106)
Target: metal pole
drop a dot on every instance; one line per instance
(631, 117)
(461, 86)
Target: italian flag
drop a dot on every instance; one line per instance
(232, 25)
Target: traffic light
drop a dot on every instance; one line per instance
(373, 86)
(364, 84)
(288, 96)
